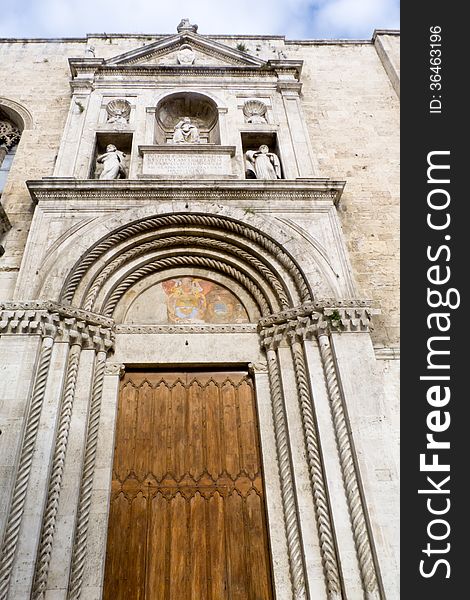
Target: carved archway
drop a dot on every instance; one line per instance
(239, 251)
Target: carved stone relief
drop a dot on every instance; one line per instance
(263, 164)
(113, 163)
(186, 132)
(255, 111)
(185, 25)
(186, 55)
(118, 111)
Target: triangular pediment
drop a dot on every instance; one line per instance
(185, 50)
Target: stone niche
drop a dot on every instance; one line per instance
(187, 140)
(200, 109)
(252, 140)
(123, 143)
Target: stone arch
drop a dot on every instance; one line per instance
(18, 113)
(201, 108)
(104, 273)
(14, 119)
(71, 267)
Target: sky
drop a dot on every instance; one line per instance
(296, 19)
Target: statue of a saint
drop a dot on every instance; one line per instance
(186, 132)
(263, 164)
(113, 163)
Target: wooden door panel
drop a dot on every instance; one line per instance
(187, 517)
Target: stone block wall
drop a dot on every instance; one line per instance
(350, 105)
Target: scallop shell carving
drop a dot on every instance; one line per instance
(255, 111)
(118, 111)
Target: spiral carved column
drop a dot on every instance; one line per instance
(86, 487)
(355, 502)
(17, 504)
(58, 464)
(289, 500)
(317, 477)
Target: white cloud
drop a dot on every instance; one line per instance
(294, 18)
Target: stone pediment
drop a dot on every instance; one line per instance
(185, 50)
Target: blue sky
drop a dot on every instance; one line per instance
(296, 19)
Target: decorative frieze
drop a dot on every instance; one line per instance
(71, 189)
(188, 328)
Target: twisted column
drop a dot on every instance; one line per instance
(355, 504)
(289, 501)
(317, 477)
(15, 514)
(86, 485)
(55, 477)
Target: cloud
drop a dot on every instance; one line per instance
(293, 18)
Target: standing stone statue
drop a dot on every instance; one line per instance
(263, 163)
(186, 132)
(113, 163)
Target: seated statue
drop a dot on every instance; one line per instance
(186, 132)
(263, 164)
(113, 163)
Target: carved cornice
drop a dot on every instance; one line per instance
(312, 318)
(63, 323)
(218, 191)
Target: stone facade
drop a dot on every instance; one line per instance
(121, 218)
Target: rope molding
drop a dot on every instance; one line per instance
(288, 494)
(117, 293)
(17, 504)
(55, 478)
(185, 240)
(361, 532)
(80, 539)
(323, 514)
(222, 223)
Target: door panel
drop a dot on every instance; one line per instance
(187, 515)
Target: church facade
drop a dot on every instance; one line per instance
(199, 317)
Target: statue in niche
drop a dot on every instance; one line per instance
(263, 164)
(186, 132)
(113, 163)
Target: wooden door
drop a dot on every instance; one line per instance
(187, 516)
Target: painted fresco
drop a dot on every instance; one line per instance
(195, 300)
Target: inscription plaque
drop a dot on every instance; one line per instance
(174, 161)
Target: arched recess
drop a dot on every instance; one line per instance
(19, 114)
(200, 108)
(213, 242)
